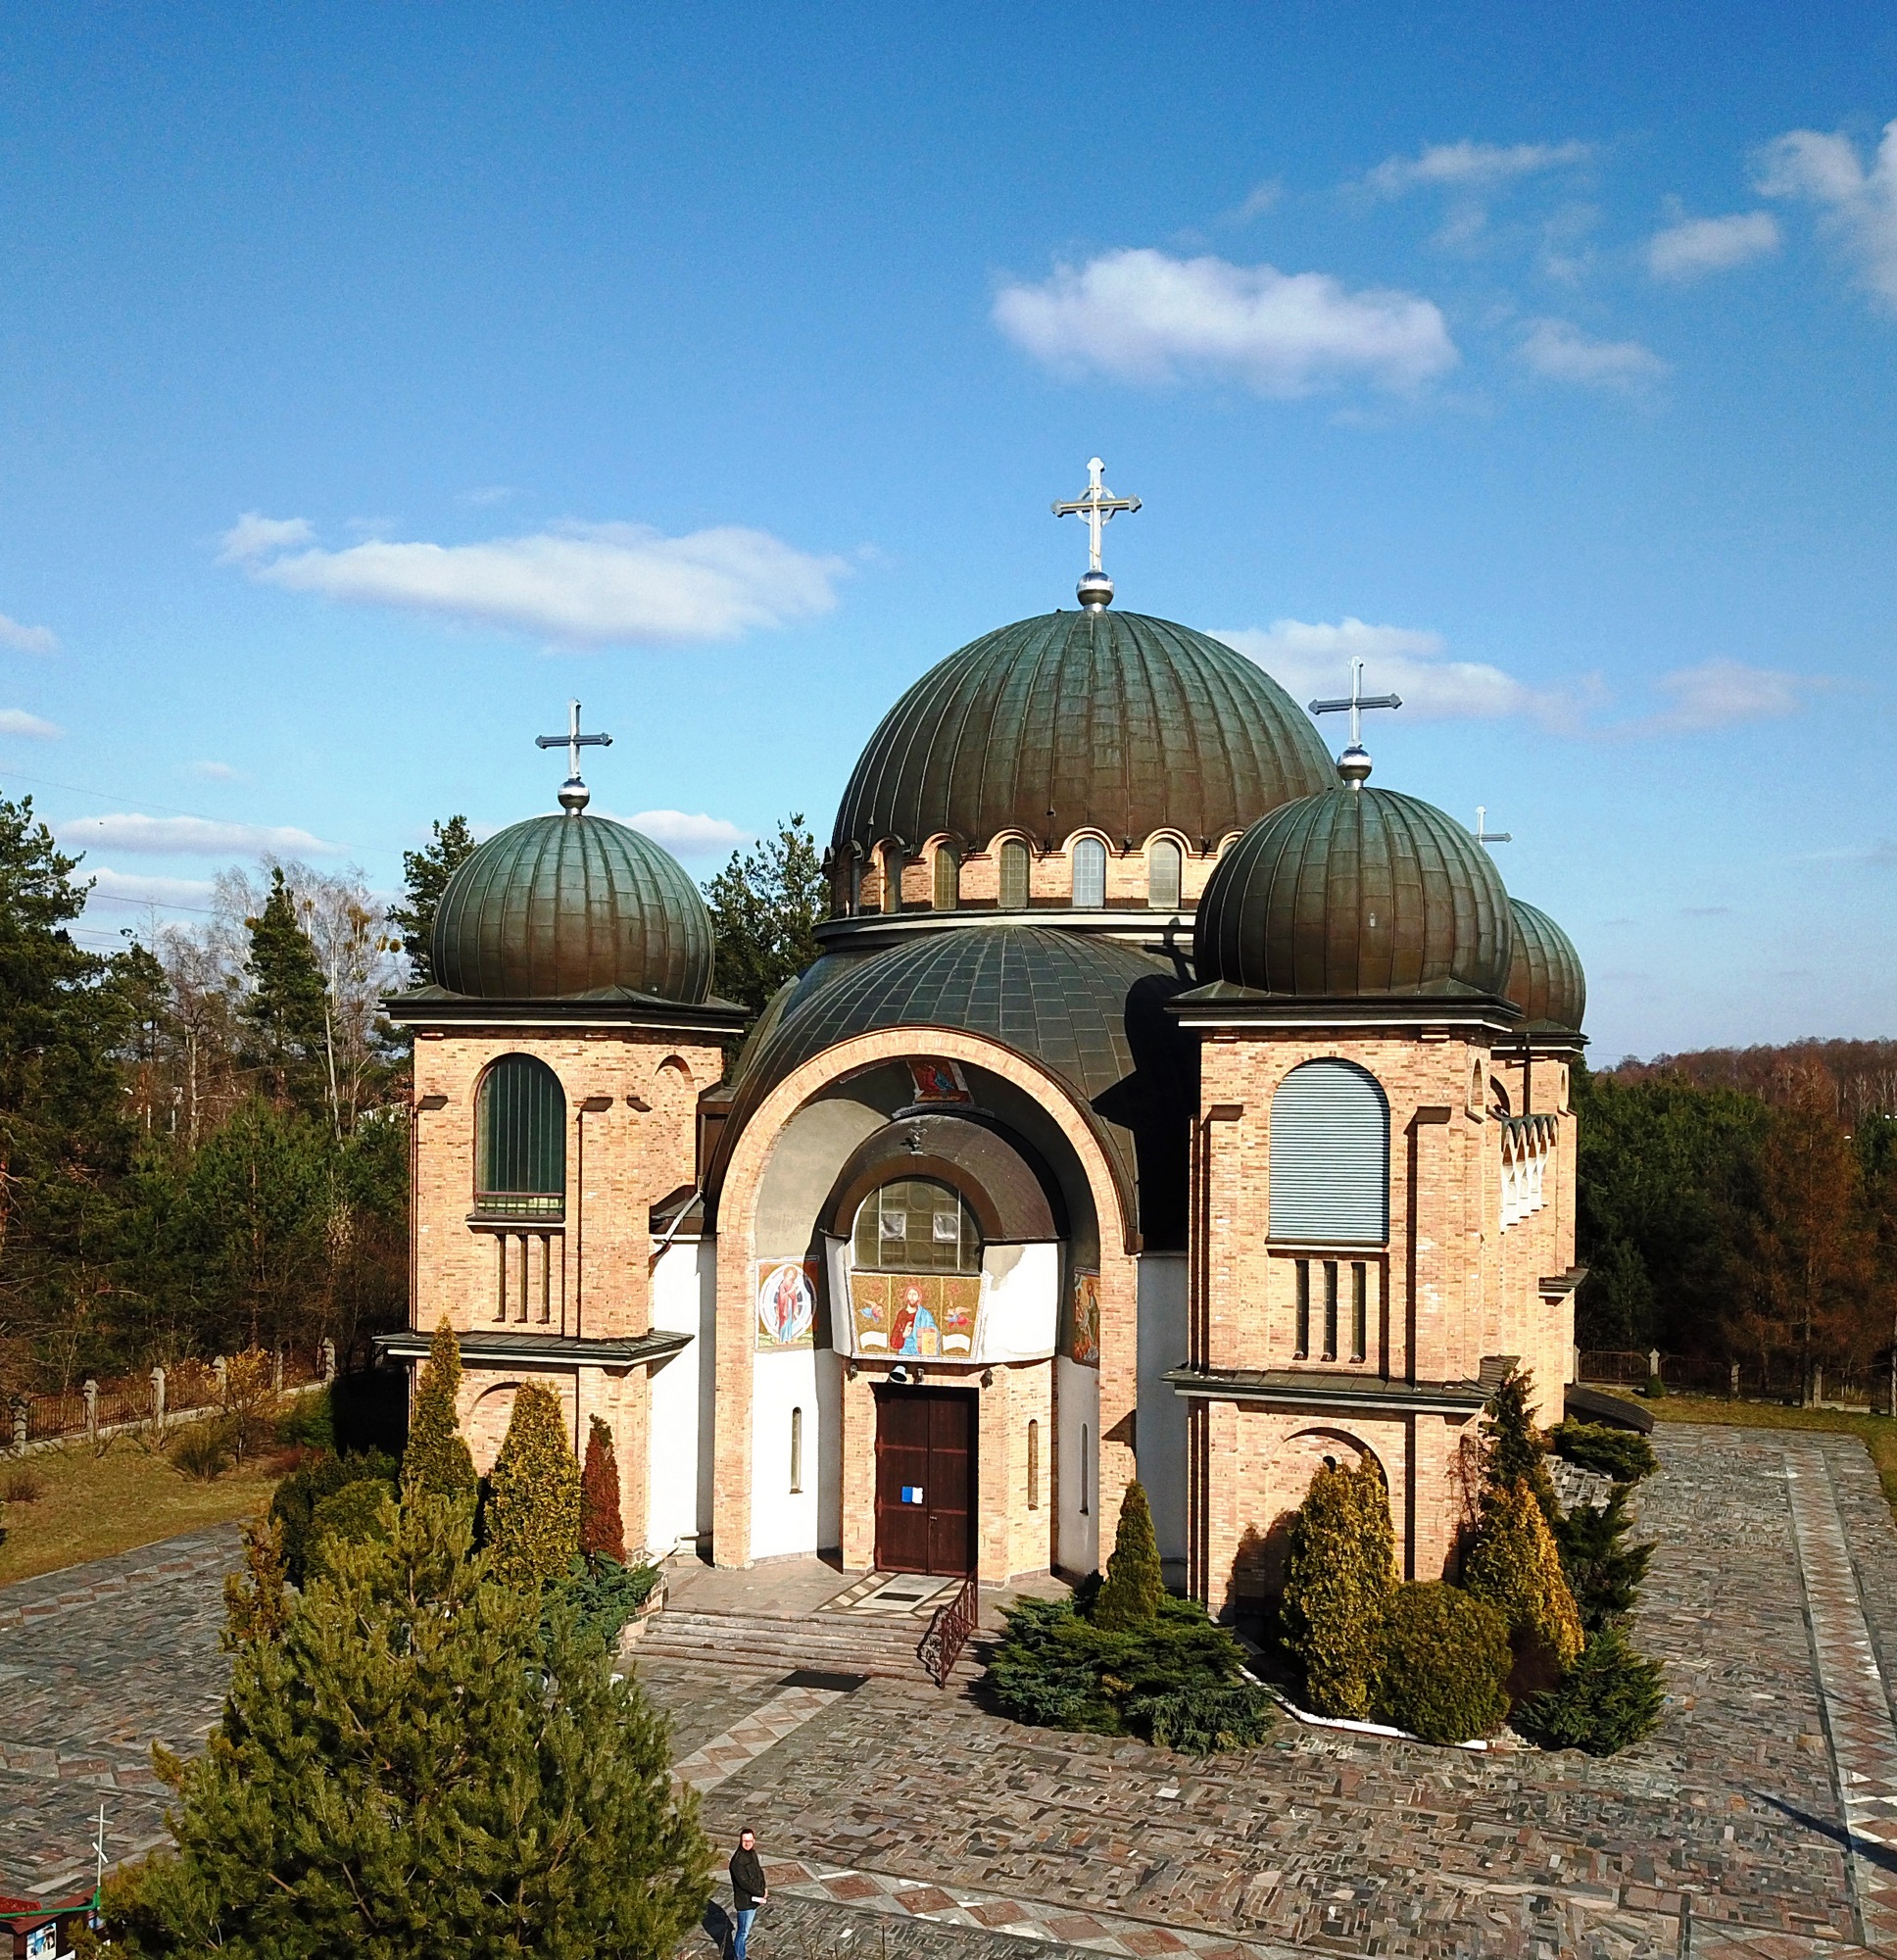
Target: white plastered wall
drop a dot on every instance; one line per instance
(1160, 1435)
(684, 1301)
(1076, 1430)
(808, 1519)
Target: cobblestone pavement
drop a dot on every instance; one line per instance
(97, 1663)
(1315, 1842)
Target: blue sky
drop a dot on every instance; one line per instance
(373, 379)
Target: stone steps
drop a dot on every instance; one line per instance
(831, 1644)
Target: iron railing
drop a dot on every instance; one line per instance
(940, 1648)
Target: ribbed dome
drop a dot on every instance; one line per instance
(1104, 718)
(564, 906)
(1545, 978)
(1355, 893)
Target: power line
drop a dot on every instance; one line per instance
(163, 905)
(112, 795)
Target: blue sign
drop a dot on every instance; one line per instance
(913, 1494)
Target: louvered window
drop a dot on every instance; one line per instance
(520, 1155)
(1090, 874)
(1014, 876)
(1163, 863)
(1330, 1157)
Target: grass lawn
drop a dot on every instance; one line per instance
(94, 1506)
(1878, 1432)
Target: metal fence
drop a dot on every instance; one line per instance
(1775, 1378)
(166, 1396)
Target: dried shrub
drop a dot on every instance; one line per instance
(1339, 1575)
(1443, 1662)
(603, 1534)
(23, 1486)
(203, 1449)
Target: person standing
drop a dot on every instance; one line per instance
(747, 1888)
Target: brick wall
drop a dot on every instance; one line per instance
(1051, 874)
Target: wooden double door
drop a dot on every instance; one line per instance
(925, 1480)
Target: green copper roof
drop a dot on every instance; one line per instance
(1355, 893)
(1104, 718)
(1089, 1009)
(1545, 979)
(564, 906)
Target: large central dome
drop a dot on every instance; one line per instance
(1097, 718)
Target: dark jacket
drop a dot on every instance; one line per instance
(747, 1879)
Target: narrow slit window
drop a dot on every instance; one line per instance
(1014, 876)
(1304, 1347)
(1163, 864)
(1033, 1466)
(1329, 1309)
(797, 1452)
(1086, 1465)
(1359, 1309)
(1090, 874)
(948, 891)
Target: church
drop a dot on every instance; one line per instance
(1168, 1099)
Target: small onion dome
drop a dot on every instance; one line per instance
(1355, 892)
(1545, 980)
(566, 906)
(1111, 721)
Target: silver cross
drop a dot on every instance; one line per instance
(573, 794)
(1097, 505)
(1356, 701)
(1483, 835)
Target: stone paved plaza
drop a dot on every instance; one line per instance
(895, 1812)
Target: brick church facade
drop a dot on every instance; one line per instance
(1166, 1100)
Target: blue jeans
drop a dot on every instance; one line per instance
(743, 1920)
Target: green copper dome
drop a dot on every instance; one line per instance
(570, 905)
(1355, 893)
(1099, 718)
(1545, 979)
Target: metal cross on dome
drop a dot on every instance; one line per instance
(1097, 505)
(1483, 835)
(1356, 701)
(573, 792)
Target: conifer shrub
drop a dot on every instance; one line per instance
(1133, 1587)
(601, 1534)
(308, 1421)
(436, 1462)
(1339, 1575)
(533, 1510)
(1443, 1663)
(354, 1515)
(1611, 1697)
(1179, 1677)
(297, 1497)
(1514, 1566)
(1604, 1573)
(1624, 1455)
(601, 1594)
(1517, 1451)
(413, 1760)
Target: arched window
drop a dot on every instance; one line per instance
(520, 1141)
(893, 861)
(1034, 1465)
(1330, 1157)
(797, 1452)
(1090, 874)
(948, 890)
(1163, 868)
(916, 1225)
(1014, 876)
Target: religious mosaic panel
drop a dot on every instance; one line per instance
(1084, 1327)
(787, 1302)
(923, 1315)
(938, 1081)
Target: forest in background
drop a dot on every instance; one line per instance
(204, 1137)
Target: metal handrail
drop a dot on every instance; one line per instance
(940, 1648)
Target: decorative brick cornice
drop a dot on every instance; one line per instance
(544, 1350)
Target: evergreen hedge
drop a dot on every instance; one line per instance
(1443, 1663)
(1340, 1576)
(533, 1510)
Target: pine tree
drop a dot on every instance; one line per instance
(287, 1009)
(1134, 1586)
(601, 1534)
(1514, 1565)
(1339, 1580)
(436, 1462)
(765, 907)
(1604, 1573)
(420, 1767)
(424, 877)
(533, 1516)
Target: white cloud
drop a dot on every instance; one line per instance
(139, 888)
(27, 639)
(214, 773)
(1699, 245)
(254, 536)
(1563, 353)
(1470, 167)
(1312, 658)
(488, 495)
(583, 585)
(1142, 316)
(191, 837)
(1859, 205)
(16, 721)
(689, 836)
(1719, 693)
